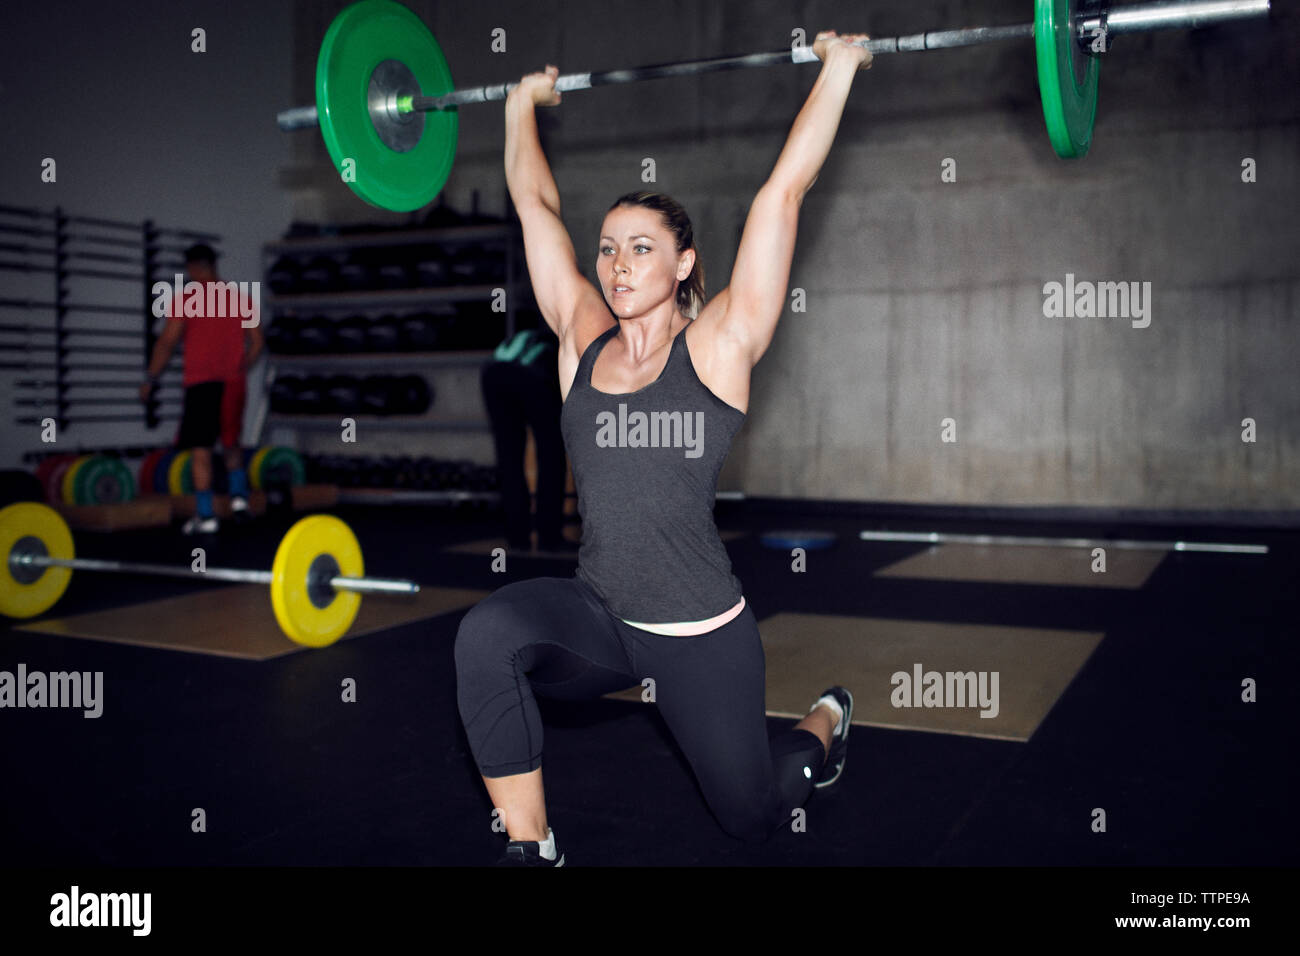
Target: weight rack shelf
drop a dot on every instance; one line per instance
(387, 359)
(330, 422)
(59, 345)
(447, 235)
(391, 298)
(504, 239)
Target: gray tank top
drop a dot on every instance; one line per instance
(645, 466)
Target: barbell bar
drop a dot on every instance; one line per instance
(362, 585)
(1029, 541)
(316, 580)
(384, 100)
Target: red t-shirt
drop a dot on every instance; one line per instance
(214, 343)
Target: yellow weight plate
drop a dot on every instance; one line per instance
(176, 473)
(255, 466)
(19, 596)
(296, 609)
(68, 493)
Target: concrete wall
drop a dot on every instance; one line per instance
(924, 298)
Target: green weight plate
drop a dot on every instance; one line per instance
(362, 37)
(281, 466)
(126, 480)
(1069, 102)
(104, 480)
(81, 486)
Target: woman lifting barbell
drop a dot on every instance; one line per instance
(655, 389)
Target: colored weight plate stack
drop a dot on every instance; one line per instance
(144, 481)
(176, 469)
(45, 475)
(103, 480)
(180, 477)
(274, 466)
(161, 471)
(68, 486)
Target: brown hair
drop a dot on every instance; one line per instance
(690, 293)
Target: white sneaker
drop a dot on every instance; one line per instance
(197, 525)
(239, 507)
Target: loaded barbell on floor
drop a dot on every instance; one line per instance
(388, 113)
(316, 580)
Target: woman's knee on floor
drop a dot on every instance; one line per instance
(797, 760)
(749, 822)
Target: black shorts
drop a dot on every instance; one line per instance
(201, 417)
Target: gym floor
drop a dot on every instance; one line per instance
(1151, 727)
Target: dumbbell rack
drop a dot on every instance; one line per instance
(504, 237)
(86, 370)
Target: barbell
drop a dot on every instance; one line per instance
(316, 580)
(388, 113)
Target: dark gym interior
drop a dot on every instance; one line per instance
(1135, 474)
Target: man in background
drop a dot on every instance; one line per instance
(218, 354)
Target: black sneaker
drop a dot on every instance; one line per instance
(528, 853)
(834, 765)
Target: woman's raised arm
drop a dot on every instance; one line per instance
(559, 286)
(747, 311)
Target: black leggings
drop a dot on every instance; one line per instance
(556, 638)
